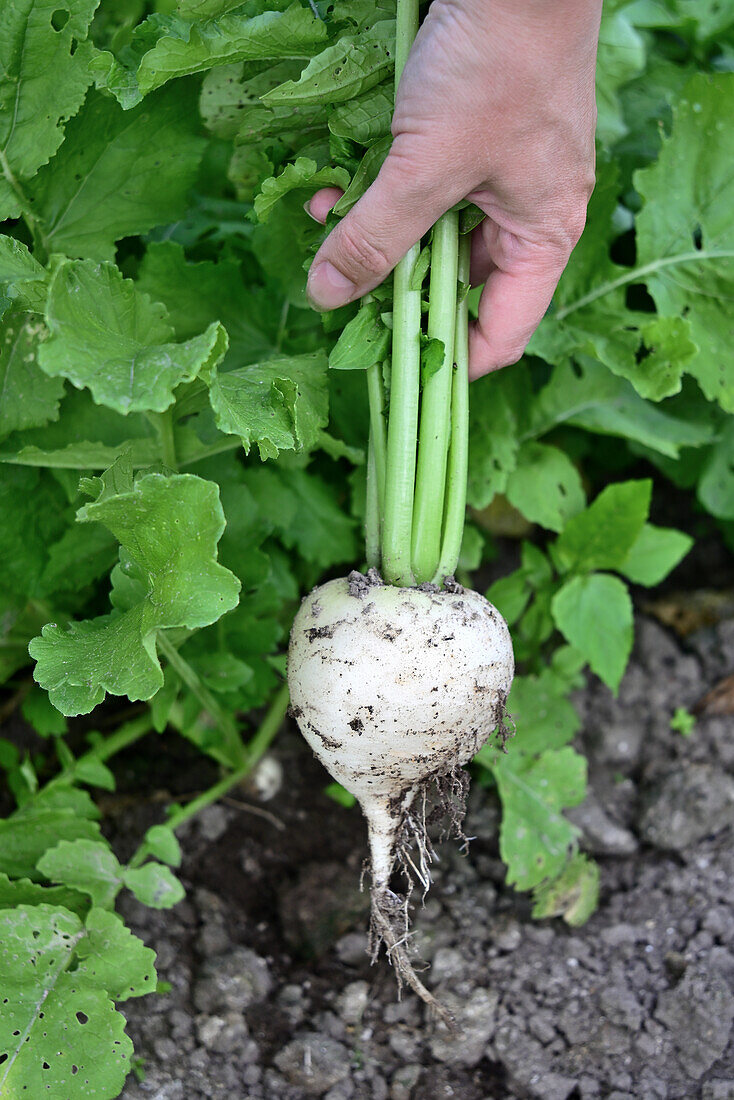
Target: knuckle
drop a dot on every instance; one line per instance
(359, 256)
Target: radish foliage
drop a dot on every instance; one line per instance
(152, 184)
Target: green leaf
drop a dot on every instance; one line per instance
(43, 77)
(289, 237)
(716, 487)
(337, 793)
(621, 56)
(301, 174)
(602, 535)
(363, 341)
(29, 832)
(497, 411)
(195, 294)
(37, 710)
(108, 336)
(113, 959)
(119, 174)
(161, 842)
(510, 595)
(21, 891)
(94, 773)
(88, 866)
(29, 397)
(655, 552)
(25, 281)
(685, 232)
(231, 106)
(587, 396)
(544, 718)
(365, 176)
(433, 356)
(57, 1017)
(306, 513)
(574, 895)
(594, 614)
(350, 67)
(366, 118)
(281, 404)
(166, 47)
(535, 838)
(154, 885)
(168, 528)
(545, 486)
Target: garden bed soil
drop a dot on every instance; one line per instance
(272, 995)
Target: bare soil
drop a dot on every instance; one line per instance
(272, 994)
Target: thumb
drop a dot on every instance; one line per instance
(393, 214)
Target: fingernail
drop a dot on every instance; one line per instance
(328, 288)
(307, 208)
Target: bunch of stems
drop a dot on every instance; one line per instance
(417, 465)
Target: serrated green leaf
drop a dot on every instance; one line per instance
(75, 1037)
(545, 486)
(602, 535)
(42, 83)
(281, 404)
(654, 553)
(29, 397)
(535, 838)
(574, 895)
(301, 174)
(167, 47)
(154, 885)
(168, 528)
(594, 614)
(119, 173)
(109, 337)
(350, 67)
(88, 866)
(363, 341)
(113, 959)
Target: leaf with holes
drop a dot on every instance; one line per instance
(60, 1034)
(43, 78)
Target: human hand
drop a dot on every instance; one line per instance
(495, 104)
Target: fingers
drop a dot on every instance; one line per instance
(407, 197)
(322, 202)
(511, 307)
